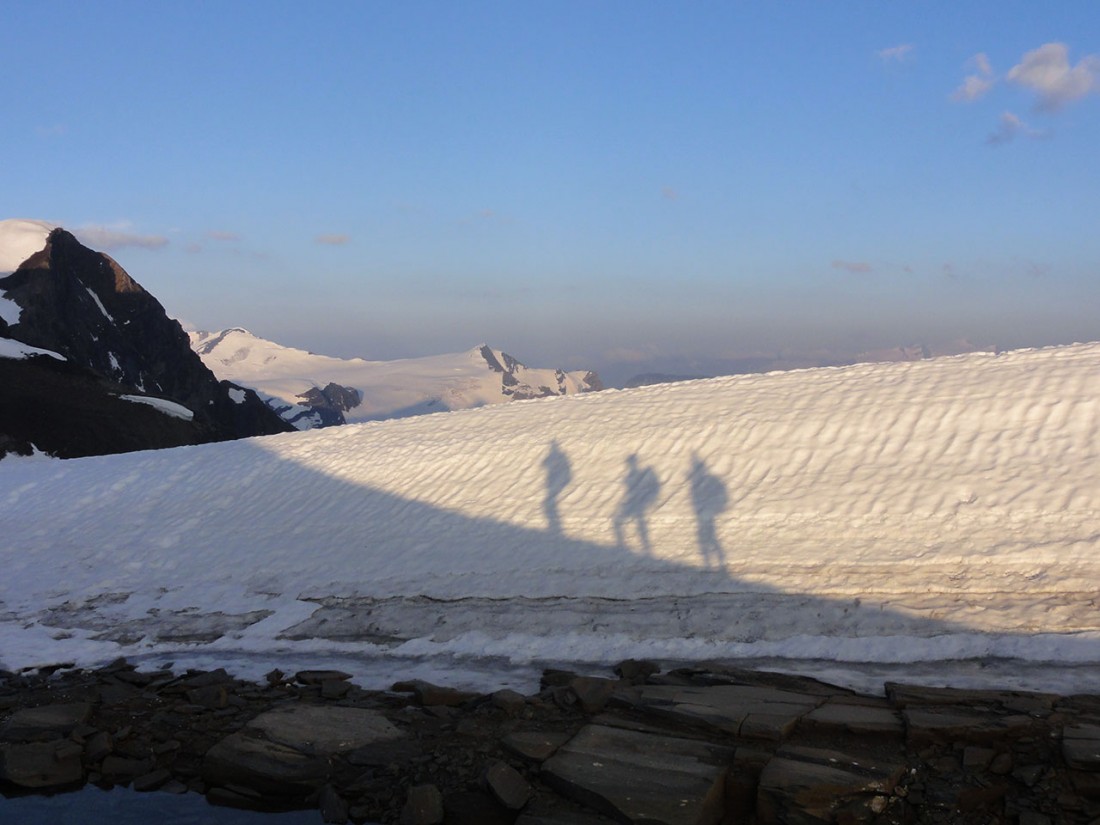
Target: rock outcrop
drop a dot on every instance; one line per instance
(688, 747)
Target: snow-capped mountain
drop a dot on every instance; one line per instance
(934, 518)
(90, 362)
(312, 390)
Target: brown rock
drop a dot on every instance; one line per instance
(508, 786)
(209, 696)
(151, 781)
(333, 807)
(629, 775)
(976, 758)
(319, 677)
(1001, 764)
(509, 701)
(636, 671)
(98, 746)
(334, 689)
(807, 784)
(429, 695)
(592, 693)
(46, 722)
(423, 806)
(1081, 747)
(40, 765)
(121, 768)
(474, 808)
(861, 720)
(534, 745)
(263, 767)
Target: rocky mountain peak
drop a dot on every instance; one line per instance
(84, 306)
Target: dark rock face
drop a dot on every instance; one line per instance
(117, 340)
(511, 385)
(331, 402)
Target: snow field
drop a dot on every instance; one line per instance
(887, 513)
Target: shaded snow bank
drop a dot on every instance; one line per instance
(900, 515)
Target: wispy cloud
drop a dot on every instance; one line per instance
(54, 130)
(895, 54)
(852, 266)
(117, 236)
(332, 240)
(1046, 71)
(1009, 127)
(222, 235)
(978, 84)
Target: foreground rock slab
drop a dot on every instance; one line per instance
(286, 752)
(694, 745)
(641, 777)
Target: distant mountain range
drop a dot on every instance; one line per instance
(91, 364)
(671, 369)
(310, 390)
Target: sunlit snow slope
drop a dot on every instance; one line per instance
(900, 513)
(388, 389)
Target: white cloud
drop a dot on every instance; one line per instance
(1009, 127)
(332, 240)
(1046, 70)
(896, 54)
(222, 235)
(117, 236)
(976, 85)
(852, 266)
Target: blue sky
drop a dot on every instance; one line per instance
(574, 182)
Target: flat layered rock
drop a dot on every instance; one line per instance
(41, 766)
(927, 725)
(536, 746)
(47, 721)
(906, 696)
(742, 710)
(286, 751)
(641, 777)
(1081, 747)
(270, 768)
(325, 730)
(803, 784)
(862, 720)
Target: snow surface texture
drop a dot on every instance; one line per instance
(390, 389)
(877, 519)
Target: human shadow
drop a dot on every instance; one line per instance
(559, 472)
(708, 499)
(200, 565)
(641, 487)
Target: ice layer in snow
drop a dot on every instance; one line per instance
(887, 516)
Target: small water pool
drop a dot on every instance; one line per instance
(121, 806)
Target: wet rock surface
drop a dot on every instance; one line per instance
(689, 746)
